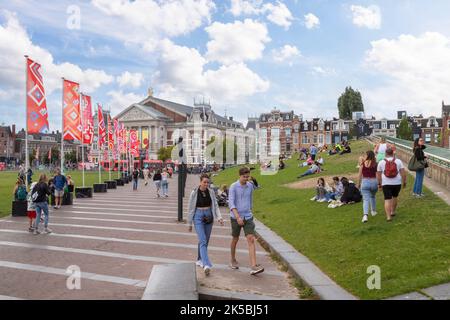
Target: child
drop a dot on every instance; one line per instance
(31, 209)
(323, 191)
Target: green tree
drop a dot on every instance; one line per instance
(165, 153)
(71, 156)
(349, 101)
(404, 130)
(224, 149)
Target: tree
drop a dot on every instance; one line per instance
(224, 149)
(165, 153)
(404, 130)
(349, 101)
(70, 157)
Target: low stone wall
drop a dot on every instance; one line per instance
(438, 171)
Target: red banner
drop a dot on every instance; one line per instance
(88, 121)
(37, 117)
(101, 127)
(71, 111)
(134, 143)
(110, 134)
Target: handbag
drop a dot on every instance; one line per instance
(415, 164)
(207, 219)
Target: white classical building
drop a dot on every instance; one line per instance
(166, 121)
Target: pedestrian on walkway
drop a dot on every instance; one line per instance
(165, 183)
(419, 146)
(157, 180)
(380, 149)
(60, 183)
(391, 176)
(39, 197)
(203, 209)
(135, 176)
(368, 184)
(241, 204)
(146, 175)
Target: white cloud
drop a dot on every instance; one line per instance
(146, 22)
(279, 14)
(287, 53)
(417, 73)
(182, 75)
(311, 21)
(369, 17)
(246, 7)
(15, 42)
(321, 71)
(236, 42)
(130, 79)
(119, 100)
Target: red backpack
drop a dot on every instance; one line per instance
(390, 169)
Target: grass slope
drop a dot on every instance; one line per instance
(413, 252)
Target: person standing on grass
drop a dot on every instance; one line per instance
(380, 149)
(313, 152)
(368, 184)
(60, 182)
(391, 176)
(135, 176)
(240, 202)
(157, 180)
(39, 197)
(203, 208)
(419, 146)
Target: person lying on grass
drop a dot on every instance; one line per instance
(315, 168)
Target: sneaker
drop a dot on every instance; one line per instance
(374, 213)
(322, 200)
(256, 269)
(365, 219)
(234, 265)
(30, 229)
(36, 232)
(393, 214)
(199, 263)
(207, 270)
(421, 195)
(313, 199)
(55, 207)
(47, 230)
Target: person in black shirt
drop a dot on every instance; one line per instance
(39, 196)
(157, 180)
(135, 179)
(203, 208)
(419, 146)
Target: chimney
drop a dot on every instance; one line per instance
(231, 118)
(13, 130)
(150, 92)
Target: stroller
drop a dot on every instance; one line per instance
(222, 199)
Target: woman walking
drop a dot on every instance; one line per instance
(203, 209)
(419, 146)
(157, 180)
(39, 196)
(165, 183)
(380, 149)
(368, 184)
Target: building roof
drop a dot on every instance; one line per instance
(173, 106)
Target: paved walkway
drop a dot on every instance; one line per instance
(116, 238)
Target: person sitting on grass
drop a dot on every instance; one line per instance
(320, 160)
(333, 151)
(351, 192)
(338, 189)
(322, 191)
(281, 166)
(315, 168)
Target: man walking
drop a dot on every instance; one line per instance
(60, 182)
(135, 179)
(241, 203)
(391, 175)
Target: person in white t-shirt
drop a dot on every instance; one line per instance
(391, 175)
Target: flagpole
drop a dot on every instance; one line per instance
(82, 133)
(109, 156)
(62, 131)
(118, 148)
(26, 120)
(99, 146)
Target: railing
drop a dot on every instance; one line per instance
(439, 156)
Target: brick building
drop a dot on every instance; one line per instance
(7, 141)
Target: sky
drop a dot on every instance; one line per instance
(245, 56)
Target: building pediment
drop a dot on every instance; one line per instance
(135, 113)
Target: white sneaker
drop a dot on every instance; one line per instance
(322, 200)
(365, 219)
(313, 199)
(207, 270)
(199, 263)
(374, 213)
(47, 230)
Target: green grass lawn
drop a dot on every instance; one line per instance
(8, 180)
(413, 251)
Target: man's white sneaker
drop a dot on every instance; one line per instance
(207, 270)
(374, 213)
(365, 219)
(322, 200)
(199, 263)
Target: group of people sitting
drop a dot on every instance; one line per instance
(342, 191)
(340, 148)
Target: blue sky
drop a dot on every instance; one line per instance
(246, 56)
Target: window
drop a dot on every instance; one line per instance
(436, 138)
(321, 125)
(376, 126)
(196, 142)
(392, 126)
(275, 133)
(448, 124)
(288, 132)
(384, 125)
(334, 126)
(304, 139)
(320, 138)
(295, 138)
(315, 139)
(428, 138)
(328, 138)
